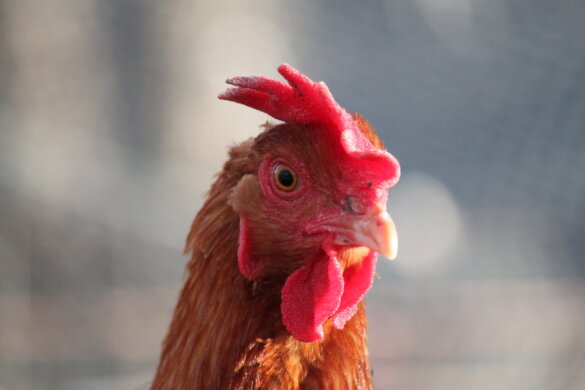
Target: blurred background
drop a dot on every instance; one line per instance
(110, 134)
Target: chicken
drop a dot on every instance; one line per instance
(284, 250)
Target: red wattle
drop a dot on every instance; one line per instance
(319, 290)
(357, 281)
(309, 296)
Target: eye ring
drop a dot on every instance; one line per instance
(285, 178)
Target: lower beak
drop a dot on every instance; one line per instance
(374, 229)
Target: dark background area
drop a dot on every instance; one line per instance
(110, 134)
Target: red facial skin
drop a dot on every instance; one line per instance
(321, 287)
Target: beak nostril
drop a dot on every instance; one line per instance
(352, 205)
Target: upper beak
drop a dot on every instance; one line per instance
(374, 229)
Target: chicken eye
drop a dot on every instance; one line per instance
(285, 178)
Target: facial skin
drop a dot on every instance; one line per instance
(297, 228)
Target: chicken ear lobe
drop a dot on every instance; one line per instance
(247, 265)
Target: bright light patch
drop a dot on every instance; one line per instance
(451, 21)
(428, 223)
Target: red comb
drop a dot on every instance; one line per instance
(306, 102)
(302, 101)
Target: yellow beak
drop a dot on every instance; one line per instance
(372, 228)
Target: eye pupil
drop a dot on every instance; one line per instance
(286, 177)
